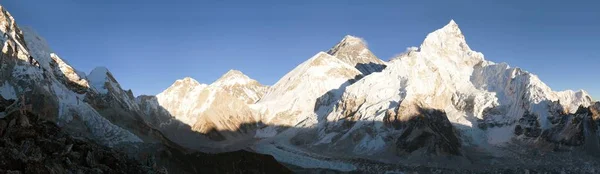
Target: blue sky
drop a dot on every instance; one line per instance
(149, 44)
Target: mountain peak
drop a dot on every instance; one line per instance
(449, 37)
(233, 77)
(98, 74)
(349, 42)
(353, 40)
(188, 80)
(353, 51)
(452, 24)
(452, 28)
(234, 73)
(98, 78)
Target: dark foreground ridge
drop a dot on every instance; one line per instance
(29, 144)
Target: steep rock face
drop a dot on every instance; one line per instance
(38, 146)
(119, 106)
(354, 52)
(430, 132)
(567, 130)
(105, 84)
(31, 72)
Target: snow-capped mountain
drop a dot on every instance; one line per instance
(46, 98)
(443, 74)
(223, 105)
(292, 99)
(296, 96)
(439, 102)
(354, 52)
(180, 97)
(441, 98)
(54, 88)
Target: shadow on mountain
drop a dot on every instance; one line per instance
(427, 132)
(427, 142)
(29, 144)
(31, 141)
(368, 68)
(28, 141)
(62, 77)
(325, 103)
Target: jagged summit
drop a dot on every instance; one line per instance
(233, 77)
(188, 81)
(234, 74)
(99, 69)
(353, 40)
(447, 38)
(347, 43)
(440, 100)
(452, 24)
(353, 51)
(101, 75)
(98, 78)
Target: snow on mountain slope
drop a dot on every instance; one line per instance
(187, 99)
(443, 74)
(180, 97)
(104, 83)
(54, 88)
(219, 110)
(297, 96)
(292, 99)
(241, 86)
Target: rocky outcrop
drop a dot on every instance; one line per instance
(60, 120)
(429, 132)
(573, 130)
(32, 145)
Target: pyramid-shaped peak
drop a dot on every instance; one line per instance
(99, 77)
(448, 37)
(352, 40)
(99, 74)
(347, 44)
(452, 23)
(188, 80)
(99, 70)
(354, 51)
(234, 73)
(451, 27)
(233, 77)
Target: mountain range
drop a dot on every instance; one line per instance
(436, 108)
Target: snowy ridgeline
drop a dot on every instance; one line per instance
(35, 68)
(343, 98)
(442, 74)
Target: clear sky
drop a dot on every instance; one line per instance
(149, 44)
